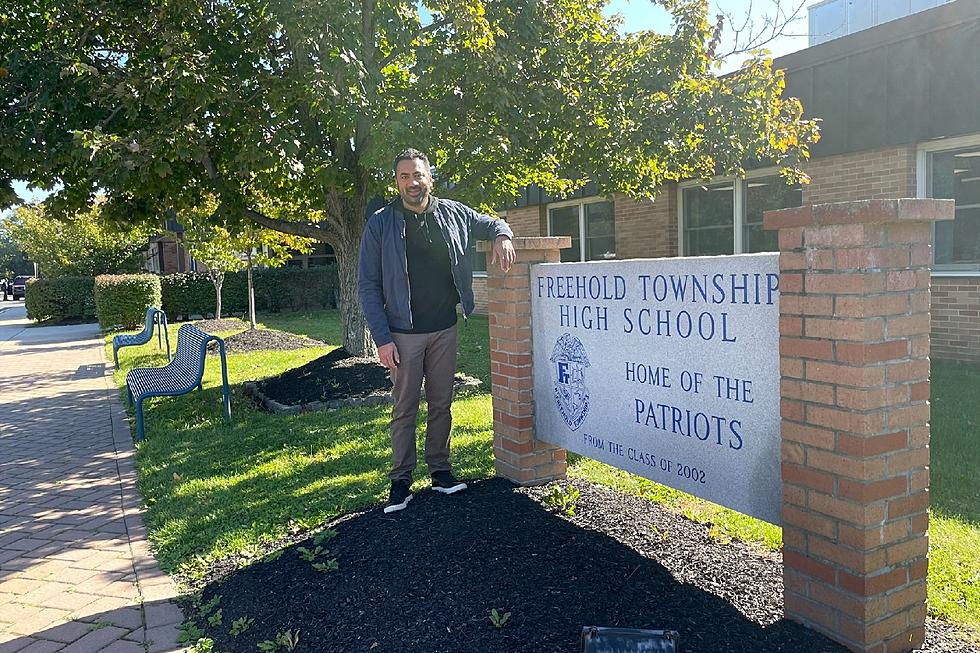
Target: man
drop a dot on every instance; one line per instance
(415, 267)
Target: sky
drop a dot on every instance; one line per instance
(645, 15)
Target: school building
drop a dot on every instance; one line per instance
(900, 110)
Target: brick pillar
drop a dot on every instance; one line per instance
(854, 357)
(519, 456)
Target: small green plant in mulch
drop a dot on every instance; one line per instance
(203, 645)
(239, 626)
(189, 632)
(215, 618)
(563, 498)
(311, 556)
(329, 565)
(498, 618)
(205, 609)
(287, 640)
(308, 555)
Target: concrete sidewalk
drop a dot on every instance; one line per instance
(75, 572)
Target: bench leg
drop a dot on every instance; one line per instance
(224, 380)
(129, 395)
(227, 401)
(115, 355)
(139, 419)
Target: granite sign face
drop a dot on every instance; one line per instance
(667, 368)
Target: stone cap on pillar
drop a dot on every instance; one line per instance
(532, 243)
(861, 211)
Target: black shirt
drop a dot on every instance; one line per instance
(430, 275)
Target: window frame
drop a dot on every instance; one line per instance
(738, 204)
(923, 188)
(581, 202)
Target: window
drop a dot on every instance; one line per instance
(766, 194)
(956, 175)
(709, 214)
(480, 258)
(725, 217)
(596, 220)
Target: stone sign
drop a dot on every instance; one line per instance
(667, 368)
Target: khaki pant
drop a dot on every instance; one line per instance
(432, 356)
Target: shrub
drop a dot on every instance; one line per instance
(61, 298)
(121, 300)
(191, 293)
(187, 293)
(296, 289)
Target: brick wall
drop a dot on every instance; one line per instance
(528, 221)
(854, 347)
(875, 174)
(172, 255)
(519, 456)
(956, 318)
(480, 295)
(647, 229)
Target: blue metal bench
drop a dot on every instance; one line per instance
(154, 317)
(184, 373)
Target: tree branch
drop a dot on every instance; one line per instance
(747, 38)
(320, 233)
(431, 27)
(324, 232)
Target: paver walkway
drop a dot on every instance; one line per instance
(75, 572)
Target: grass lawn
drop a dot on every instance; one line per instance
(215, 490)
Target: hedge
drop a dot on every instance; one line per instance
(291, 288)
(60, 298)
(121, 300)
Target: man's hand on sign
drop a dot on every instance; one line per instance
(388, 355)
(503, 253)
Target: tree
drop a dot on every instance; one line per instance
(223, 252)
(268, 248)
(81, 244)
(216, 249)
(12, 260)
(290, 111)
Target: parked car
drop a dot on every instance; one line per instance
(20, 286)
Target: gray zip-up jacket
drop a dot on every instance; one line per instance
(382, 274)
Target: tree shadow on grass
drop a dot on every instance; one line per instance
(219, 488)
(425, 579)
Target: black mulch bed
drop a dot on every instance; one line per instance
(264, 340)
(218, 326)
(424, 580)
(338, 375)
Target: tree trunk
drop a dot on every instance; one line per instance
(251, 292)
(218, 278)
(357, 338)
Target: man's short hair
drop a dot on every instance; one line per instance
(408, 155)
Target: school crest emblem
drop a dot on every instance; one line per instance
(572, 397)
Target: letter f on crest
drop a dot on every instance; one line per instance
(562, 372)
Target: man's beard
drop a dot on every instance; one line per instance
(420, 203)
